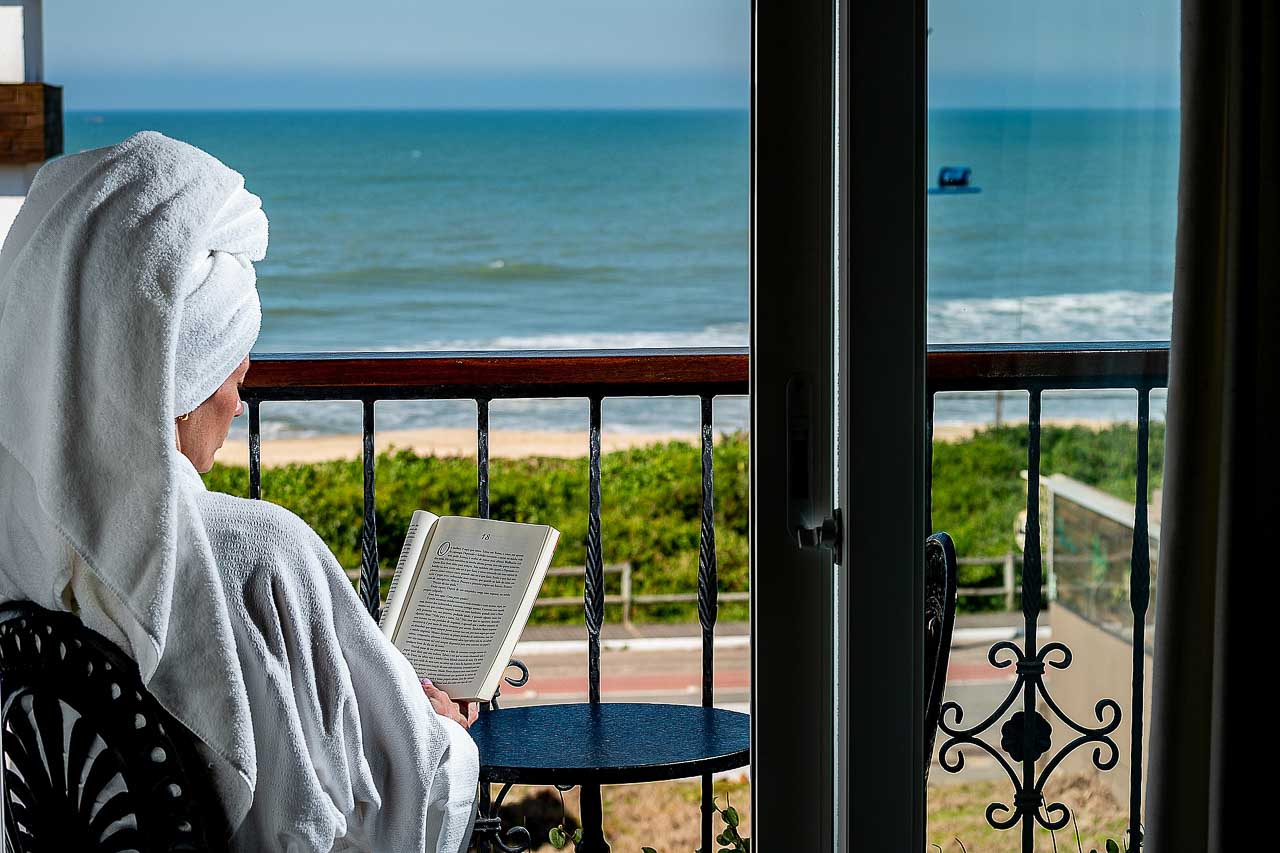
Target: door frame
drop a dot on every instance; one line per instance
(883, 127)
(793, 709)
(838, 126)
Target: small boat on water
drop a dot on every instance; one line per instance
(954, 180)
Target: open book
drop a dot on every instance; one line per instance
(462, 591)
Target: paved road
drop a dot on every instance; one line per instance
(671, 672)
(664, 675)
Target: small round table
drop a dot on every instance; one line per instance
(593, 744)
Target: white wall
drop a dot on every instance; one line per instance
(21, 41)
(12, 60)
(21, 61)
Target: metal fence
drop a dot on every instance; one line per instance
(628, 600)
(1007, 590)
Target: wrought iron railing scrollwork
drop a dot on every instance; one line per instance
(1028, 735)
(488, 830)
(708, 586)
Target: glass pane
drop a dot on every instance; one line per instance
(1053, 158)
(1065, 116)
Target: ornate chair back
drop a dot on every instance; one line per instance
(91, 760)
(939, 619)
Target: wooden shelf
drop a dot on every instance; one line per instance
(30, 123)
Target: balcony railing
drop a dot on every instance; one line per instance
(484, 377)
(710, 373)
(1025, 751)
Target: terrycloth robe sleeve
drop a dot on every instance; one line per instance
(350, 754)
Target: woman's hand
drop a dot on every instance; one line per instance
(464, 713)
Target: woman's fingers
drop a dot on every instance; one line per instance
(468, 713)
(464, 713)
(438, 698)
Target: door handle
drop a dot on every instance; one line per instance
(803, 521)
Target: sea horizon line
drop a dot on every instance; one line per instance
(87, 111)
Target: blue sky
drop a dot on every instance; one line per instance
(567, 53)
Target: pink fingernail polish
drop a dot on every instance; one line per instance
(426, 682)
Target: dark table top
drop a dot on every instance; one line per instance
(608, 743)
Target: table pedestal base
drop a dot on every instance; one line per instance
(592, 822)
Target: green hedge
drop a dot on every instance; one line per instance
(651, 503)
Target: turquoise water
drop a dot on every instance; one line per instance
(1072, 235)
(429, 230)
(500, 230)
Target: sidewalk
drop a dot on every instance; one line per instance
(970, 629)
(636, 630)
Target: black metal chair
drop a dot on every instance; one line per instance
(939, 620)
(91, 760)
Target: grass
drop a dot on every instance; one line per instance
(661, 815)
(957, 810)
(664, 815)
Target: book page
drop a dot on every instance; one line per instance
(475, 577)
(416, 537)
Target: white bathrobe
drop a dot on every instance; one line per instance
(127, 295)
(349, 749)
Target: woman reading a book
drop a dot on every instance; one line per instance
(128, 308)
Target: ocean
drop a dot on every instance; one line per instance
(561, 230)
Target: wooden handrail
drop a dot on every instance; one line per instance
(492, 375)
(1007, 367)
(675, 372)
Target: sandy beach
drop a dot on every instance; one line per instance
(509, 444)
(503, 444)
